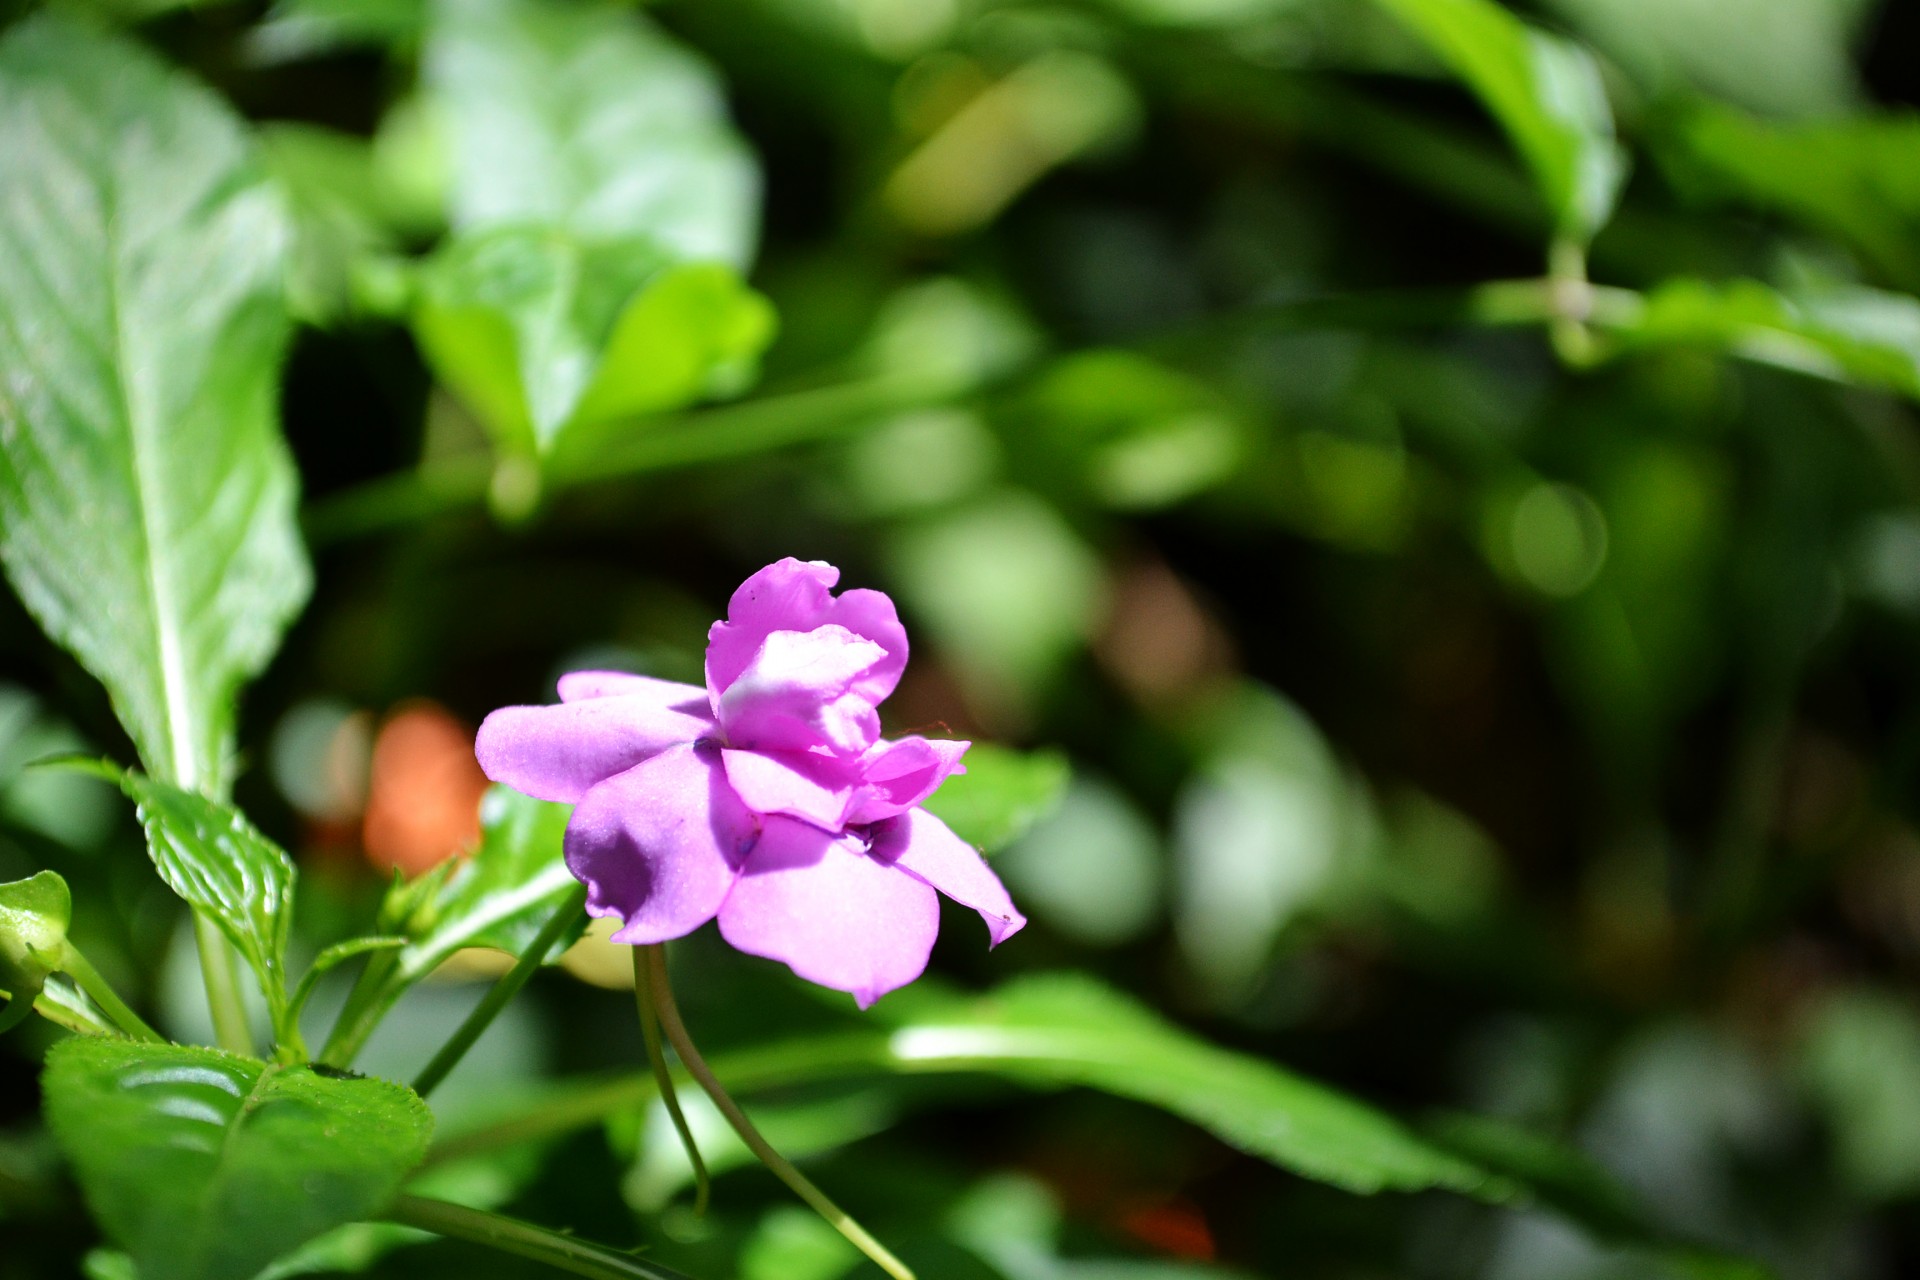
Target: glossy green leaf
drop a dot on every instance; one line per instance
(584, 117)
(146, 497)
(507, 891)
(1069, 1030)
(541, 330)
(34, 915)
(1546, 93)
(210, 855)
(1850, 334)
(1002, 794)
(207, 1166)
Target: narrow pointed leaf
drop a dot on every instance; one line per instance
(207, 1166)
(146, 497)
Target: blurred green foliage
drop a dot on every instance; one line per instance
(1417, 502)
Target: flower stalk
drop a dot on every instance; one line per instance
(653, 961)
(663, 1075)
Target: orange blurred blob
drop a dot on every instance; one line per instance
(423, 795)
(1172, 1226)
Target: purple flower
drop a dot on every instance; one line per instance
(767, 799)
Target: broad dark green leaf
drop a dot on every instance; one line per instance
(34, 915)
(1850, 334)
(207, 1166)
(1001, 795)
(505, 893)
(1546, 93)
(584, 117)
(146, 497)
(541, 331)
(209, 854)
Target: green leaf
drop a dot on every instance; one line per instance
(207, 1166)
(1847, 334)
(1069, 1030)
(146, 497)
(340, 217)
(540, 330)
(584, 117)
(209, 854)
(34, 915)
(337, 954)
(507, 891)
(1002, 794)
(1857, 178)
(1545, 92)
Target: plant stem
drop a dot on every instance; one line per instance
(223, 987)
(366, 1004)
(504, 990)
(676, 1031)
(663, 1077)
(510, 1235)
(81, 970)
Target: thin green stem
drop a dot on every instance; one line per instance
(676, 1032)
(81, 970)
(221, 975)
(523, 1239)
(663, 1077)
(503, 991)
(367, 1003)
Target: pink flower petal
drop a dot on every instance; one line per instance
(920, 844)
(801, 691)
(559, 752)
(795, 595)
(800, 784)
(896, 776)
(830, 912)
(659, 846)
(578, 686)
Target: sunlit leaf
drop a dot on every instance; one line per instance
(146, 498)
(34, 915)
(210, 855)
(1546, 93)
(586, 118)
(1002, 794)
(207, 1166)
(541, 331)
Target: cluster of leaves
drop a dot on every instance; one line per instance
(557, 215)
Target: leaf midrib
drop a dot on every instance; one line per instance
(158, 580)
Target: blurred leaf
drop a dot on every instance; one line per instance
(146, 498)
(1860, 1058)
(1792, 57)
(1846, 334)
(210, 855)
(1092, 868)
(1545, 92)
(795, 1244)
(34, 915)
(584, 117)
(1015, 1221)
(1141, 435)
(297, 29)
(1001, 795)
(797, 1130)
(504, 894)
(1856, 178)
(206, 1166)
(1069, 1030)
(542, 332)
(339, 218)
